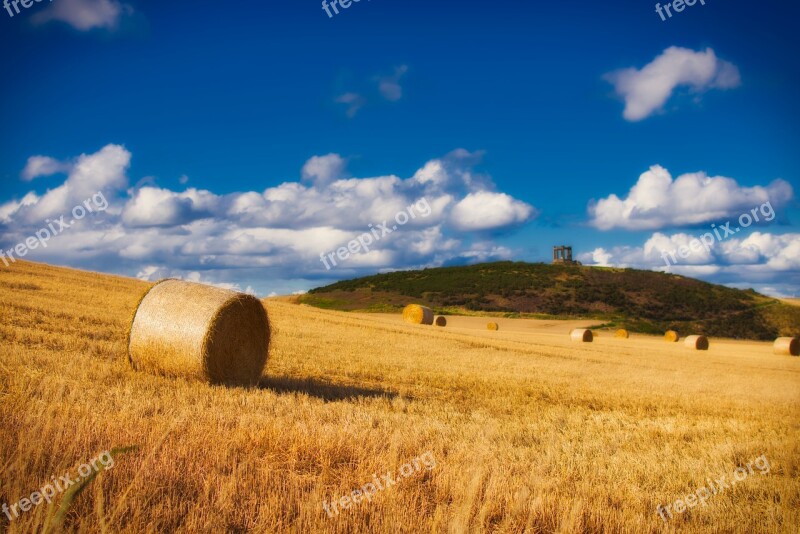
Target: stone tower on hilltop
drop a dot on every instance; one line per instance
(563, 256)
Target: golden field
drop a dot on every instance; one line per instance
(529, 432)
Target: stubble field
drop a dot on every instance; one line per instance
(529, 432)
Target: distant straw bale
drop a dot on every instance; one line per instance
(441, 321)
(671, 336)
(416, 314)
(492, 326)
(696, 342)
(622, 333)
(581, 335)
(787, 346)
(194, 330)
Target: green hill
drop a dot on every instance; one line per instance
(641, 301)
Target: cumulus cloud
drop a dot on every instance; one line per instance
(152, 206)
(88, 174)
(769, 262)
(646, 90)
(43, 166)
(272, 238)
(322, 170)
(485, 210)
(657, 201)
(84, 15)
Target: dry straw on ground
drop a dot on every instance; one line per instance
(619, 428)
(441, 321)
(582, 335)
(787, 346)
(622, 333)
(416, 314)
(187, 329)
(696, 342)
(492, 326)
(671, 336)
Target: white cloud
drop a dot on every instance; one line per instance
(484, 210)
(13, 207)
(657, 201)
(101, 172)
(84, 15)
(322, 170)
(377, 89)
(271, 239)
(151, 206)
(43, 166)
(769, 262)
(389, 86)
(646, 90)
(600, 257)
(353, 101)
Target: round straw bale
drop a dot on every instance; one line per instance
(622, 333)
(194, 330)
(696, 342)
(492, 326)
(787, 346)
(416, 314)
(582, 335)
(671, 336)
(441, 321)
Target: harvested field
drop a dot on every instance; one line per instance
(529, 431)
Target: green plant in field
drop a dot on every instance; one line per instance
(55, 523)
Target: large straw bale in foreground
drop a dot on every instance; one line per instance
(787, 346)
(582, 335)
(416, 314)
(671, 336)
(696, 342)
(194, 330)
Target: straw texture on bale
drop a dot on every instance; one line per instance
(194, 330)
(416, 314)
(787, 346)
(582, 335)
(671, 336)
(696, 342)
(492, 326)
(441, 321)
(622, 333)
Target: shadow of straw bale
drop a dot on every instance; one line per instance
(321, 390)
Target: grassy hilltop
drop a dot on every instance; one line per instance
(642, 301)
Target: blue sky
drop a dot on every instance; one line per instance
(236, 143)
